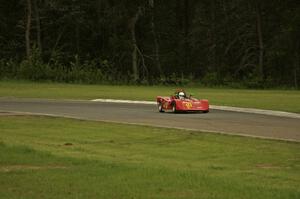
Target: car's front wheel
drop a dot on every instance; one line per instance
(160, 107)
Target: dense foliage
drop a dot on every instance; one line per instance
(250, 42)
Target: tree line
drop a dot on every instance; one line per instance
(253, 43)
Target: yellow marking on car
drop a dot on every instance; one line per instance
(188, 105)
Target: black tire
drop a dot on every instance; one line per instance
(160, 107)
(174, 107)
(206, 111)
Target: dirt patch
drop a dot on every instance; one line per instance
(9, 168)
(268, 166)
(68, 144)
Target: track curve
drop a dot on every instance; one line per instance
(247, 124)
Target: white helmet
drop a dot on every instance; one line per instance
(181, 94)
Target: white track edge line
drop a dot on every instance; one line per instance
(223, 108)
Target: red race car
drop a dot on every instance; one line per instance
(180, 102)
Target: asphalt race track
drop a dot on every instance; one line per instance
(215, 121)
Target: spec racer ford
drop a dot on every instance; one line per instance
(180, 102)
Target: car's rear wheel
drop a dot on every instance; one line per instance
(206, 111)
(160, 107)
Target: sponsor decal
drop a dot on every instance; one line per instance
(188, 105)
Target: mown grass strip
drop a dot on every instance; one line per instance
(43, 157)
(281, 100)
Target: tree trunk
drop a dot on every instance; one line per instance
(77, 38)
(260, 41)
(156, 44)
(179, 14)
(296, 67)
(27, 31)
(38, 26)
(186, 33)
(213, 47)
(100, 27)
(134, 44)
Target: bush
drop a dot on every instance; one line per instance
(8, 69)
(211, 79)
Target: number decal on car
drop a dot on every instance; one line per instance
(188, 105)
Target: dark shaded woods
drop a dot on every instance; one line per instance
(249, 43)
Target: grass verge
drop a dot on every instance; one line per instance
(43, 157)
(282, 100)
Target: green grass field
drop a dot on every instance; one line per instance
(283, 100)
(43, 157)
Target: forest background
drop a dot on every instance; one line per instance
(236, 43)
